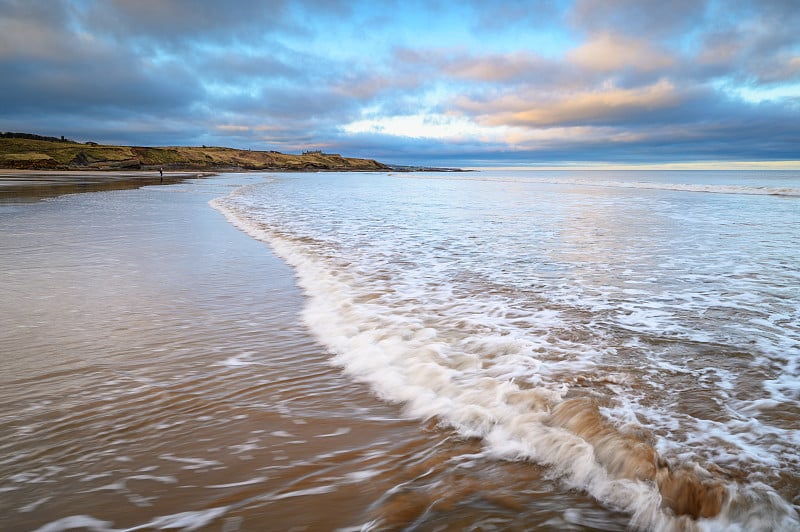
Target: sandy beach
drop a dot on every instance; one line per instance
(21, 185)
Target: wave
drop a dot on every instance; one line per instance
(472, 384)
(645, 185)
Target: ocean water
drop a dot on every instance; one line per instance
(636, 335)
(494, 350)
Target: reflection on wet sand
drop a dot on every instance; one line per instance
(32, 185)
(157, 375)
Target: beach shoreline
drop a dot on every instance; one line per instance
(32, 185)
(177, 341)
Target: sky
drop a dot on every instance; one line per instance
(464, 83)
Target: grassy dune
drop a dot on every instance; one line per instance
(19, 153)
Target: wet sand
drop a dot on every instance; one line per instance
(156, 371)
(31, 185)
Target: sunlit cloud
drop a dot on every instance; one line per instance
(609, 53)
(463, 129)
(496, 67)
(548, 109)
(232, 128)
(431, 126)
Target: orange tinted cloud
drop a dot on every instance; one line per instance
(496, 67)
(607, 53)
(575, 107)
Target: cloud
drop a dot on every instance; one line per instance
(33, 30)
(610, 53)
(515, 66)
(48, 66)
(100, 62)
(649, 18)
(499, 16)
(601, 106)
(101, 82)
(747, 41)
(244, 67)
(370, 84)
(170, 22)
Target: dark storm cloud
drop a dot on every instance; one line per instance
(49, 67)
(123, 86)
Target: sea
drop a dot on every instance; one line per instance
(500, 349)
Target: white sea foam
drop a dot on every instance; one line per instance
(302, 493)
(250, 482)
(186, 521)
(424, 315)
(35, 504)
(241, 359)
(191, 463)
(338, 432)
(77, 522)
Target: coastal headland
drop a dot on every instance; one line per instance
(22, 151)
(34, 166)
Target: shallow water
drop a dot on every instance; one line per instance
(473, 351)
(665, 303)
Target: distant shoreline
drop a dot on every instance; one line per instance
(26, 185)
(34, 167)
(32, 185)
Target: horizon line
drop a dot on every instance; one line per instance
(695, 165)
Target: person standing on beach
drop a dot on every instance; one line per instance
(161, 173)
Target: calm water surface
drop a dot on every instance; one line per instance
(491, 350)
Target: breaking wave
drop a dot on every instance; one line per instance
(429, 348)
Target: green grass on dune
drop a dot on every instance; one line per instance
(25, 153)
